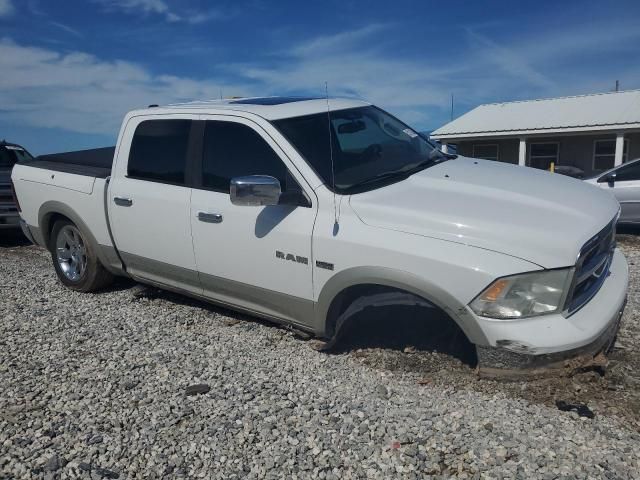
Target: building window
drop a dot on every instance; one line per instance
(604, 153)
(542, 154)
(486, 152)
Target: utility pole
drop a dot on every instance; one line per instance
(452, 106)
(617, 85)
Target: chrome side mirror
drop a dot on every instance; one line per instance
(255, 191)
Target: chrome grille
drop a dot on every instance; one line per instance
(592, 267)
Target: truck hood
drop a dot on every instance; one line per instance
(534, 215)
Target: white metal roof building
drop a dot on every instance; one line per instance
(591, 132)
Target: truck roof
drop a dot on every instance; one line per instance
(4, 143)
(270, 108)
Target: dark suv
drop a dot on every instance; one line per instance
(10, 153)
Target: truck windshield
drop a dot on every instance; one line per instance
(370, 148)
(10, 155)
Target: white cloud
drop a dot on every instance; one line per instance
(66, 28)
(481, 69)
(146, 6)
(162, 8)
(6, 8)
(79, 92)
(83, 93)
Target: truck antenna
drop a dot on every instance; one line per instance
(333, 171)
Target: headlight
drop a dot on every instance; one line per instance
(524, 295)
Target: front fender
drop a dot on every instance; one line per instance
(422, 287)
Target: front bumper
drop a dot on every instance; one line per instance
(534, 345)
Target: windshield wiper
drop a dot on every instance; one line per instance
(405, 172)
(430, 162)
(381, 177)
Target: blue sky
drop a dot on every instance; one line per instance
(71, 69)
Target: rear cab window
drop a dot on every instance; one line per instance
(159, 151)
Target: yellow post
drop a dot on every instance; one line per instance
(552, 167)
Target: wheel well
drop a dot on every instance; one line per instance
(48, 221)
(360, 310)
(374, 292)
(341, 302)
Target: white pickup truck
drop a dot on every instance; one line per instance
(306, 211)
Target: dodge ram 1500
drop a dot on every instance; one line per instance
(297, 209)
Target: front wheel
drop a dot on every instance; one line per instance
(74, 259)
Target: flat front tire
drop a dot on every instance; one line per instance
(75, 260)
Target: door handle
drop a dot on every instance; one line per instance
(122, 201)
(210, 217)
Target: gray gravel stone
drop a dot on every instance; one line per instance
(114, 366)
(197, 389)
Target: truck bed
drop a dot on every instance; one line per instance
(96, 162)
(72, 184)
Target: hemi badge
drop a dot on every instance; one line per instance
(325, 265)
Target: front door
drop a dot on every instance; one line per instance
(256, 258)
(149, 202)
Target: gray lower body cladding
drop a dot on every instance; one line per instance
(261, 302)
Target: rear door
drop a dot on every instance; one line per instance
(626, 189)
(149, 200)
(256, 258)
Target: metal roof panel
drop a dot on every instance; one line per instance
(566, 113)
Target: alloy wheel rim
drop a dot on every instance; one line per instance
(71, 253)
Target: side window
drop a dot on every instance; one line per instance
(159, 151)
(22, 155)
(235, 150)
(628, 173)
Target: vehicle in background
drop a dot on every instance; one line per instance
(10, 154)
(623, 182)
(569, 171)
(310, 211)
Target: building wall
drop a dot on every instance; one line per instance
(507, 148)
(634, 145)
(575, 150)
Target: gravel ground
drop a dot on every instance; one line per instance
(95, 386)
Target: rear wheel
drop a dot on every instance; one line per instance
(75, 260)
